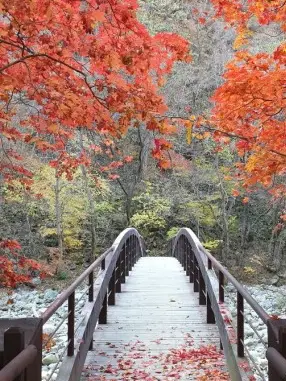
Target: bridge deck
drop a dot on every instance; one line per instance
(156, 312)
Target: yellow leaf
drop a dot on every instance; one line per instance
(189, 127)
(235, 192)
(161, 82)
(53, 128)
(242, 39)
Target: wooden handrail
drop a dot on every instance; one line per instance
(277, 361)
(15, 367)
(115, 264)
(63, 297)
(199, 249)
(197, 262)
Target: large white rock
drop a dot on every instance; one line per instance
(50, 359)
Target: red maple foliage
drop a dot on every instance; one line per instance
(250, 106)
(15, 269)
(91, 67)
(67, 66)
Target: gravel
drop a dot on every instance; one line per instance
(32, 303)
(273, 300)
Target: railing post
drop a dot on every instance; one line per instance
(130, 253)
(136, 249)
(123, 264)
(196, 274)
(103, 312)
(90, 287)
(240, 325)
(133, 251)
(127, 257)
(111, 289)
(179, 245)
(184, 246)
(119, 268)
(14, 343)
(277, 340)
(169, 248)
(188, 258)
(191, 265)
(71, 317)
(210, 313)
(34, 371)
(103, 264)
(202, 289)
(221, 286)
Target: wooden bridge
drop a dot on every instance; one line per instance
(147, 318)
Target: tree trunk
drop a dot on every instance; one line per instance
(224, 215)
(244, 229)
(91, 210)
(58, 209)
(277, 247)
(91, 215)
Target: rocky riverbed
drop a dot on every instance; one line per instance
(273, 301)
(32, 303)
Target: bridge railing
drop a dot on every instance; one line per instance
(198, 263)
(22, 339)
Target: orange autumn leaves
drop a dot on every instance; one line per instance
(251, 104)
(67, 66)
(238, 12)
(14, 268)
(89, 67)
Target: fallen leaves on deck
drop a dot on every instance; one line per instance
(136, 361)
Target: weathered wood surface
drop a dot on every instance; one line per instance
(156, 311)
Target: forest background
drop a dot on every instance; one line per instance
(220, 172)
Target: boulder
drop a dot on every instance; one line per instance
(50, 359)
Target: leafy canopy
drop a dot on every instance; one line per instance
(75, 65)
(80, 64)
(251, 104)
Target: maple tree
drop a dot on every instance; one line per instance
(73, 65)
(14, 269)
(77, 64)
(250, 106)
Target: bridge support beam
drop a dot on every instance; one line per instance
(196, 274)
(21, 349)
(103, 312)
(191, 265)
(240, 325)
(276, 353)
(123, 264)
(119, 271)
(127, 258)
(210, 313)
(112, 289)
(202, 290)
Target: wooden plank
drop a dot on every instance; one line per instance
(157, 310)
